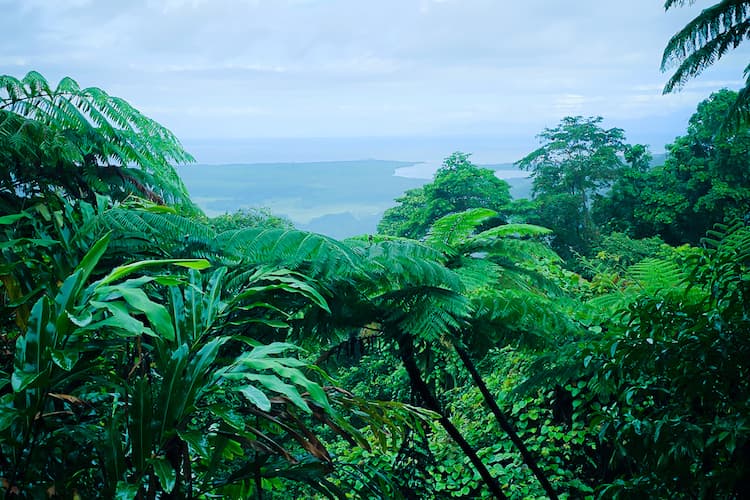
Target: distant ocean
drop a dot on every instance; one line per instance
(338, 187)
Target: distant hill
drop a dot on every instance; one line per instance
(336, 198)
(339, 199)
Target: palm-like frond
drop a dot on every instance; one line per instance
(455, 228)
(88, 127)
(649, 277)
(144, 232)
(516, 317)
(401, 264)
(313, 254)
(428, 313)
(705, 39)
(655, 274)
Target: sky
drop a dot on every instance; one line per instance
(210, 69)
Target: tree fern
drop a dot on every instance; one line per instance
(85, 128)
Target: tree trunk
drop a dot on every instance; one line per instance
(505, 424)
(406, 351)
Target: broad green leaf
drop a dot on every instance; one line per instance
(89, 261)
(140, 423)
(275, 384)
(199, 367)
(7, 412)
(256, 397)
(213, 301)
(197, 443)
(80, 321)
(165, 473)
(263, 351)
(65, 359)
(120, 319)
(111, 450)
(122, 271)
(31, 349)
(28, 241)
(23, 380)
(10, 219)
(157, 314)
(126, 491)
(173, 393)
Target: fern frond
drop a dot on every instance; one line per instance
(428, 313)
(90, 125)
(145, 233)
(455, 228)
(653, 274)
(476, 274)
(395, 264)
(518, 231)
(516, 317)
(705, 39)
(315, 255)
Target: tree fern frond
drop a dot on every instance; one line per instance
(649, 277)
(514, 316)
(454, 228)
(478, 273)
(428, 313)
(513, 231)
(394, 264)
(97, 126)
(654, 274)
(739, 112)
(514, 251)
(314, 254)
(159, 234)
(668, 4)
(695, 60)
(705, 39)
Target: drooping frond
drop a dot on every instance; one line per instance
(478, 273)
(656, 274)
(148, 233)
(705, 39)
(649, 277)
(514, 316)
(314, 254)
(455, 228)
(739, 111)
(513, 231)
(88, 127)
(428, 313)
(398, 264)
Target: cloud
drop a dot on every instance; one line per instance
(352, 67)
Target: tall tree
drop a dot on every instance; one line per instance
(703, 41)
(577, 158)
(459, 185)
(705, 180)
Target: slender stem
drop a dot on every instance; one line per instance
(258, 475)
(406, 351)
(505, 424)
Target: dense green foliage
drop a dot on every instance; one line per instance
(704, 180)
(147, 351)
(577, 159)
(458, 185)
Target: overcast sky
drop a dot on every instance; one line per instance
(331, 68)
